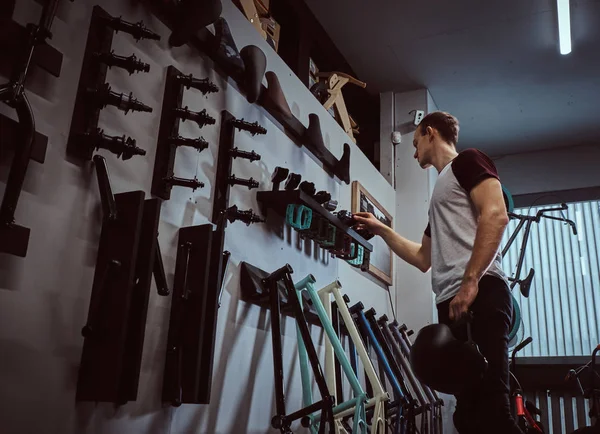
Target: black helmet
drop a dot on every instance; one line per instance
(444, 363)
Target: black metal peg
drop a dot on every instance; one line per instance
(233, 213)
(253, 128)
(130, 64)
(250, 183)
(204, 85)
(201, 117)
(122, 146)
(252, 156)
(184, 182)
(137, 30)
(200, 144)
(104, 96)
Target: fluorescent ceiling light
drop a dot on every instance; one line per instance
(564, 26)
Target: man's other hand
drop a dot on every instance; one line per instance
(460, 304)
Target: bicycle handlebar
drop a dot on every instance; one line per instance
(542, 214)
(575, 373)
(523, 345)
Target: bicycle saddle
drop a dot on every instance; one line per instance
(275, 94)
(255, 65)
(342, 167)
(314, 135)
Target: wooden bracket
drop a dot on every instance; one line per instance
(335, 81)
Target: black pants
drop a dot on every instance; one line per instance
(485, 408)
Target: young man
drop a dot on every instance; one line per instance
(461, 245)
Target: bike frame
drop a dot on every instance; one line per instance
(410, 407)
(400, 397)
(14, 239)
(522, 413)
(435, 402)
(527, 221)
(427, 418)
(379, 395)
(333, 347)
(282, 420)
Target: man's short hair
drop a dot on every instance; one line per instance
(446, 124)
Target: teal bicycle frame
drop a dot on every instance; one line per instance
(360, 397)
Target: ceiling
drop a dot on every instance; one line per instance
(495, 64)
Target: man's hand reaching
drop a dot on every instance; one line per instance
(368, 221)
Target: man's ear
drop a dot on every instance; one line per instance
(430, 132)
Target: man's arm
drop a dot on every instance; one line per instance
(418, 255)
(492, 220)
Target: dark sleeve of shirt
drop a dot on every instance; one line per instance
(428, 230)
(471, 167)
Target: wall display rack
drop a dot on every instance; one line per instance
(93, 93)
(169, 139)
(197, 295)
(115, 328)
(208, 43)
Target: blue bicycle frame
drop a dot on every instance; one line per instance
(363, 323)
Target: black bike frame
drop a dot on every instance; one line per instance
(425, 407)
(282, 420)
(14, 239)
(527, 221)
(401, 334)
